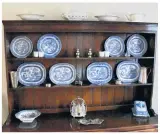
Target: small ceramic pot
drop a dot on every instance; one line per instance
(101, 54)
(48, 85)
(118, 82)
(106, 54)
(41, 54)
(35, 54)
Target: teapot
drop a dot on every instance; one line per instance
(143, 75)
(78, 107)
(135, 17)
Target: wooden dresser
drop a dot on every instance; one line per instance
(111, 102)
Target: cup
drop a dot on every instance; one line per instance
(106, 53)
(14, 79)
(35, 54)
(48, 85)
(41, 54)
(101, 54)
(118, 82)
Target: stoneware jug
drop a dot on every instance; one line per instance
(143, 75)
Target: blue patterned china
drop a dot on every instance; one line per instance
(137, 45)
(21, 46)
(115, 46)
(31, 74)
(62, 74)
(99, 73)
(50, 44)
(128, 71)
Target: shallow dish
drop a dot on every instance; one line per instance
(99, 73)
(115, 46)
(137, 45)
(27, 116)
(30, 16)
(62, 74)
(107, 17)
(75, 16)
(50, 44)
(31, 74)
(128, 71)
(21, 46)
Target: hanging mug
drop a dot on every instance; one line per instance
(143, 75)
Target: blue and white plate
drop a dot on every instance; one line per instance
(128, 71)
(62, 74)
(99, 73)
(115, 46)
(31, 74)
(21, 46)
(50, 44)
(137, 45)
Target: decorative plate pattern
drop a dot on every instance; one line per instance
(21, 46)
(62, 74)
(128, 71)
(99, 73)
(50, 44)
(115, 46)
(31, 74)
(137, 45)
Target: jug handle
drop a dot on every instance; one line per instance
(149, 72)
(127, 16)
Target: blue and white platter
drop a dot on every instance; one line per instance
(50, 44)
(137, 45)
(128, 71)
(62, 74)
(115, 46)
(21, 46)
(31, 74)
(99, 73)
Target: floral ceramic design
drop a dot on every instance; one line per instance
(31, 74)
(62, 74)
(50, 44)
(99, 73)
(128, 71)
(137, 45)
(115, 46)
(21, 46)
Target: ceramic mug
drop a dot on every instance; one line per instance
(35, 54)
(101, 54)
(41, 54)
(48, 85)
(106, 53)
(118, 82)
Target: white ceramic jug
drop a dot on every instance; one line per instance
(143, 75)
(135, 17)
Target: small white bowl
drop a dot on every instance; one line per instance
(30, 16)
(27, 116)
(107, 17)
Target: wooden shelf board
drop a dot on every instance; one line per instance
(85, 86)
(73, 58)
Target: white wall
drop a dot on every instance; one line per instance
(53, 11)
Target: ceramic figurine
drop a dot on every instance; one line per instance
(77, 53)
(90, 53)
(78, 107)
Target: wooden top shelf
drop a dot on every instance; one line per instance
(81, 58)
